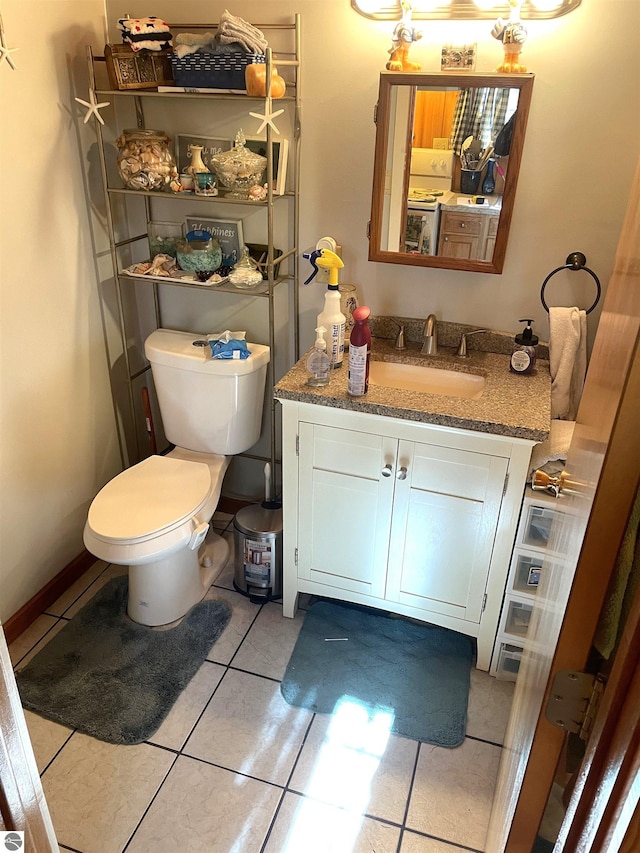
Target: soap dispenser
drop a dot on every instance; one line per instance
(318, 362)
(523, 356)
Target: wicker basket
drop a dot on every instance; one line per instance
(213, 70)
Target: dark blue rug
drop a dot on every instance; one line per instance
(418, 673)
(111, 678)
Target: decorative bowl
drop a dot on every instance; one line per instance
(239, 169)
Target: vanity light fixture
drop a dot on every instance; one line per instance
(380, 10)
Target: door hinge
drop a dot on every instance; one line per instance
(295, 556)
(573, 701)
(375, 114)
(369, 230)
(484, 602)
(506, 483)
(297, 445)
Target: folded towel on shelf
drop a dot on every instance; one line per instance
(186, 43)
(232, 29)
(555, 447)
(145, 33)
(567, 360)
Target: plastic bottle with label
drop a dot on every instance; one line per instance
(359, 353)
(523, 356)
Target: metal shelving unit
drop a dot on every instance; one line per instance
(287, 261)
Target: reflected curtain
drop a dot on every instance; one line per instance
(480, 113)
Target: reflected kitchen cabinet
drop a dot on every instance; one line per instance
(471, 236)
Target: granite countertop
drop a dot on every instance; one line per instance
(511, 404)
(464, 204)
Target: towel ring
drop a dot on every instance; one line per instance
(575, 261)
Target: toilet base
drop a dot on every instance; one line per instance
(163, 590)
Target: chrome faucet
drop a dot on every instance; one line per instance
(462, 348)
(430, 335)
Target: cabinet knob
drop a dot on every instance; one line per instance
(402, 474)
(386, 471)
(462, 225)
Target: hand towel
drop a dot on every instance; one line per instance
(232, 30)
(555, 447)
(567, 360)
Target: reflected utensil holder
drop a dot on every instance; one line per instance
(470, 181)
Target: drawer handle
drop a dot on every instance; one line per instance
(402, 474)
(386, 471)
(463, 225)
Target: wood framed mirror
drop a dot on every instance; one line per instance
(425, 208)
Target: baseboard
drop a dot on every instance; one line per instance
(29, 612)
(232, 505)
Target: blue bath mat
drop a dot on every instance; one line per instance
(419, 674)
(111, 678)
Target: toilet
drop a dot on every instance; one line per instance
(154, 517)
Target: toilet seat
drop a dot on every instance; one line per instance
(149, 500)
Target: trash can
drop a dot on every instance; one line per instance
(257, 534)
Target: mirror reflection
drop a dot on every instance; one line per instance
(447, 156)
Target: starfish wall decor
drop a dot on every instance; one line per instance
(5, 52)
(93, 107)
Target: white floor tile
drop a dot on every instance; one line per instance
(267, 647)
(355, 763)
(243, 612)
(412, 843)
(70, 595)
(304, 825)
(203, 809)
(489, 706)
(190, 704)
(453, 791)
(46, 738)
(98, 792)
(247, 727)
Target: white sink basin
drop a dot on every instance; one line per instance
(428, 380)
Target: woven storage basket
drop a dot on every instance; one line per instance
(213, 70)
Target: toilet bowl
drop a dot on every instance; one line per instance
(154, 517)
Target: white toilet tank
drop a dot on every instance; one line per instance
(208, 405)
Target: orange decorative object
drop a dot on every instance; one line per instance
(255, 78)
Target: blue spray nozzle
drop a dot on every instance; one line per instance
(312, 257)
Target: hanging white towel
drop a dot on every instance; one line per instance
(555, 447)
(567, 360)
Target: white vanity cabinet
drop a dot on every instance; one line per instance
(409, 517)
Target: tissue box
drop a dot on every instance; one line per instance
(213, 70)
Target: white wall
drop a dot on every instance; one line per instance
(58, 440)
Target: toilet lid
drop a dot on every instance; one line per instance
(151, 497)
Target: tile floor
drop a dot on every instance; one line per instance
(234, 769)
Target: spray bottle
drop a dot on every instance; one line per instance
(331, 317)
(359, 353)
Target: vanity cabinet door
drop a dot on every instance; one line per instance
(444, 523)
(346, 483)
(460, 235)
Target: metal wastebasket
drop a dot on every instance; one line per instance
(257, 534)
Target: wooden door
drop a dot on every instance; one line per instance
(345, 499)
(22, 803)
(604, 464)
(444, 523)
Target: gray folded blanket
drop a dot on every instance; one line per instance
(232, 31)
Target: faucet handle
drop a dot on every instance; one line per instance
(399, 343)
(462, 348)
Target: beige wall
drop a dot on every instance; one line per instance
(58, 442)
(58, 438)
